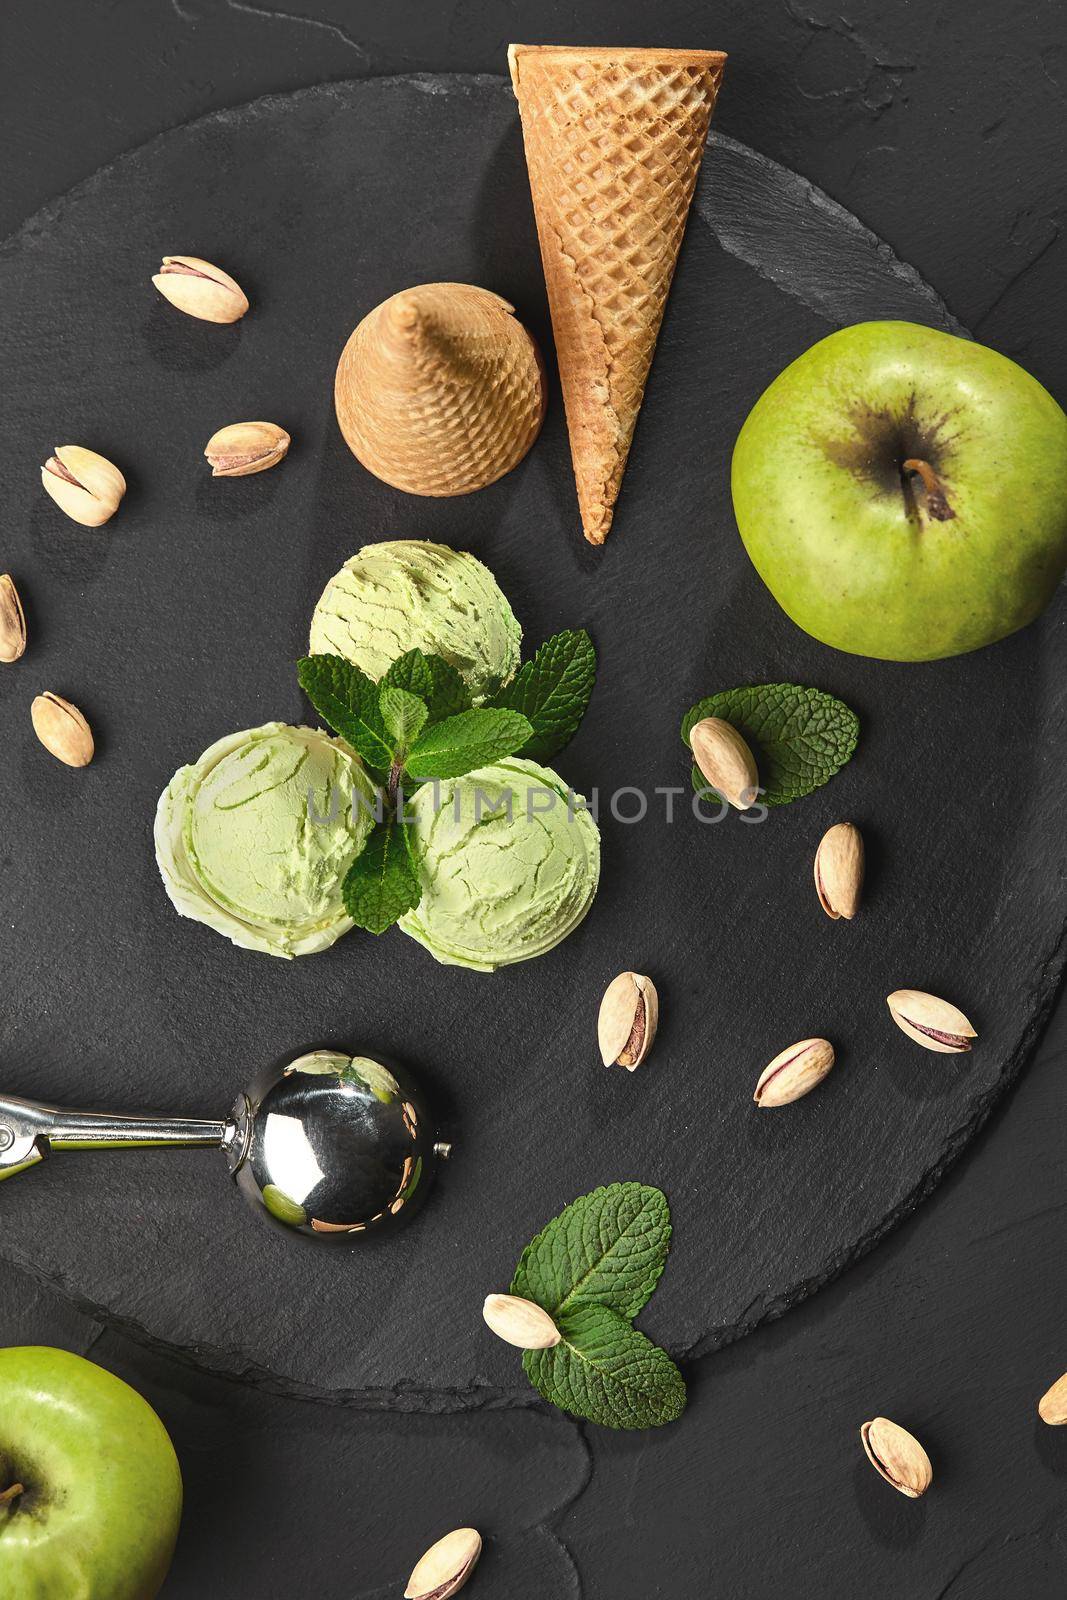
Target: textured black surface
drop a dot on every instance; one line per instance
(942, 128)
(954, 1325)
(180, 622)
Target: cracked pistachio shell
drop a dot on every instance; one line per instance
(931, 1022)
(898, 1456)
(629, 1016)
(62, 730)
(725, 760)
(200, 289)
(794, 1072)
(244, 448)
(83, 484)
(839, 870)
(446, 1566)
(1052, 1407)
(12, 620)
(520, 1322)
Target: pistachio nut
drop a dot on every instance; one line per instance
(1052, 1407)
(931, 1022)
(244, 448)
(520, 1322)
(794, 1072)
(12, 620)
(839, 870)
(446, 1566)
(84, 485)
(629, 1016)
(200, 289)
(898, 1456)
(725, 760)
(62, 730)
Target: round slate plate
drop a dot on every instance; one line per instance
(182, 620)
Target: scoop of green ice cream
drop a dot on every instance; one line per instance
(509, 861)
(406, 595)
(256, 837)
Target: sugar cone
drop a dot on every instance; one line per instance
(440, 390)
(614, 140)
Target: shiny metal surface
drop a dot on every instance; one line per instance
(332, 1146)
(341, 1147)
(29, 1131)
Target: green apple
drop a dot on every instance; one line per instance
(903, 493)
(90, 1490)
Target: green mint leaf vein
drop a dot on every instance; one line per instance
(403, 713)
(382, 883)
(552, 691)
(459, 744)
(348, 700)
(603, 1369)
(608, 1247)
(434, 680)
(799, 736)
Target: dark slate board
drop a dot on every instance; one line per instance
(182, 620)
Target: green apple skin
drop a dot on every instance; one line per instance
(843, 537)
(103, 1499)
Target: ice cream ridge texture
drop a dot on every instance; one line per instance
(406, 594)
(509, 861)
(255, 838)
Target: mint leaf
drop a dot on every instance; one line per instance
(592, 1268)
(607, 1372)
(799, 736)
(348, 700)
(461, 743)
(410, 671)
(381, 884)
(608, 1247)
(552, 691)
(404, 714)
(434, 680)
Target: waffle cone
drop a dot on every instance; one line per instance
(440, 390)
(614, 140)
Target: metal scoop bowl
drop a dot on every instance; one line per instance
(331, 1146)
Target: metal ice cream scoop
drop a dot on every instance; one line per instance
(328, 1145)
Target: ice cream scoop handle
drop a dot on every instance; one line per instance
(29, 1131)
(85, 1130)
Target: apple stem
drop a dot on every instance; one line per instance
(937, 505)
(11, 1494)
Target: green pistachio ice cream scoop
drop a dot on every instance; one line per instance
(255, 838)
(407, 594)
(509, 860)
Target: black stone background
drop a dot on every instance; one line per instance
(942, 130)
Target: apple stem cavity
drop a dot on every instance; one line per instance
(937, 506)
(11, 1494)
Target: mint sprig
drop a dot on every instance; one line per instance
(592, 1269)
(552, 691)
(799, 736)
(405, 728)
(419, 723)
